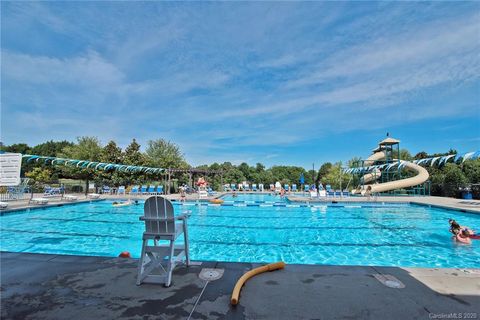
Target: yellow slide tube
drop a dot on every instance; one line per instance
(269, 267)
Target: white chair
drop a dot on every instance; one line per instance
(160, 225)
(39, 200)
(94, 195)
(260, 187)
(3, 205)
(69, 197)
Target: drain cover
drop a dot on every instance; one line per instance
(208, 274)
(389, 281)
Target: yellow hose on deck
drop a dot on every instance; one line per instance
(269, 267)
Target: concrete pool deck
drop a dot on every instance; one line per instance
(40, 286)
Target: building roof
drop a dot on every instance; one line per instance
(388, 141)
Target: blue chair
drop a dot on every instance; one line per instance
(134, 190)
(210, 191)
(159, 189)
(246, 187)
(294, 187)
(143, 190)
(330, 191)
(233, 186)
(286, 187)
(121, 190)
(306, 187)
(151, 190)
(254, 187)
(105, 189)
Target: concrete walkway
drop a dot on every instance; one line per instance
(37, 286)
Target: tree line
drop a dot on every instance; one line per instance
(445, 180)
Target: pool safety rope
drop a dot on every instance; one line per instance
(269, 267)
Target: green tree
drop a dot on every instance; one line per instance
(165, 154)
(111, 153)
(336, 177)
(132, 155)
(51, 148)
(40, 175)
(405, 155)
(22, 148)
(323, 171)
(471, 170)
(86, 148)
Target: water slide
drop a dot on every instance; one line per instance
(421, 176)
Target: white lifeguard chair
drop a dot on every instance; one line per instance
(161, 225)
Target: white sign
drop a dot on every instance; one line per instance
(10, 165)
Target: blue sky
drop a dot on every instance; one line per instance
(277, 83)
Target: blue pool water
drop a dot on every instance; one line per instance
(385, 235)
(251, 197)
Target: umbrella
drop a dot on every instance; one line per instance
(302, 179)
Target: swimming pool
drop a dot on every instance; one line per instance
(252, 197)
(351, 234)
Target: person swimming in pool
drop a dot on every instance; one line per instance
(454, 227)
(464, 232)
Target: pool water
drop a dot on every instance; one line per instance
(352, 234)
(251, 197)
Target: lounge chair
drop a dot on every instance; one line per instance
(69, 197)
(313, 193)
(260, 187)
(39, 200)
(211, 192)
(272, 187)
(294, 188)
(106, 189)
(121, 190)
(246, 187)
(233, 187)
(330, 191)
(151, 190)
(3, 205)
(254, 187)
(306, 188)
(134, 190)
(240, 187)
(160, 189)
(226, 187)
(144, 190)
(93, 195)
(286, 187)
(161, 225)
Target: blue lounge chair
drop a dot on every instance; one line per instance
(286, 187)
(254, 187)
(211, 192)
(134, 190)
(160, 189)
(105, 189)
(294, 187)
(246, 187)
(144, 190)
(306, 188)
(151, 190)
(330, 191)
(233, 187)
(121, 190)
